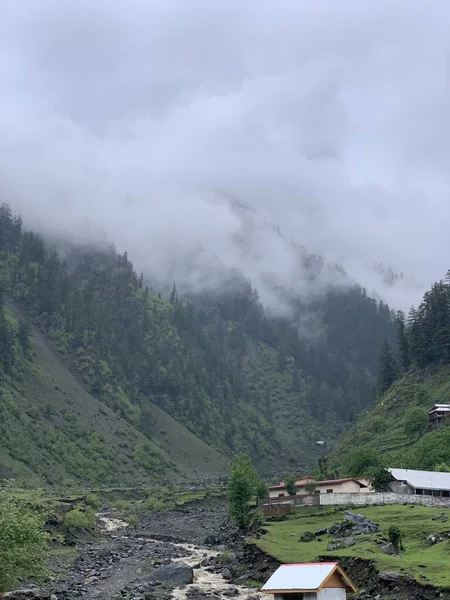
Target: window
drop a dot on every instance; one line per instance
(280, 495)
(330, 491)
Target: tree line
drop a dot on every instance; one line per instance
(423, 337)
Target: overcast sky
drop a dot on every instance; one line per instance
(139, 121)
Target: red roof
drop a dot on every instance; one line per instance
(322, 482)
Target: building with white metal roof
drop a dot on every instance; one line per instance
(411, 481)
(309, 581)
(438, 414)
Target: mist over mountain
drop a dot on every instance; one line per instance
(143, 126)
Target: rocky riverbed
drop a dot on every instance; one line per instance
(190, 553)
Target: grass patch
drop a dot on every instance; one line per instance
(415, 522)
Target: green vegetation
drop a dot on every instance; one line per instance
(395, 431)
(289, 484)
(419, 557)
(394, 444)
(22, 537)
(216, 368)
(243, 486)
(79, 518)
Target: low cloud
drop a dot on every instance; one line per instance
(151, 124)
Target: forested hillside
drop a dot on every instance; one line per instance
(236, 378)
(395, 431)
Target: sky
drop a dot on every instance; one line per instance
(148, 123)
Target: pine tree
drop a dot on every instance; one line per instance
(388, 370)
(403, 343)
(24, 336)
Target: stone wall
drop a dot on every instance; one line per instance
(381, 498)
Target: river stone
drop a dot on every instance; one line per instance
(177, 572)
(26, 594)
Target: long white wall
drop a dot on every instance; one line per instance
(381, 498)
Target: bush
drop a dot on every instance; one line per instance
(22, 537)
(395, 537)
(416, 422)
(93, 500)
(77, 519)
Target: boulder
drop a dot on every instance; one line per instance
(349, 541)
(334, 545)
(308, 536)
(388, 549)
(321, 531)
(334, 528)
(26, 594)
(178, 573)
(388, 576)
(359, 523)
(440, 517)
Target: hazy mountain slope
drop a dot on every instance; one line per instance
(234, 376)
(412, 379)
(52, 429)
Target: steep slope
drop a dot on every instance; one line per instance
(396, 426)
(53, 430)
(233, 376)
(414, 379)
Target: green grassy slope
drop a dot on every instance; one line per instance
(425, 562)
(382, 426)
(52, 430)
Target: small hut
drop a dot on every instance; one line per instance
(309, 581)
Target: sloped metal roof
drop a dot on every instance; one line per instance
(428, 480)
(305, 577)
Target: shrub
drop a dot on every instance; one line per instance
(77, 519)
(93, 500)
(395, 537)
(22, 537)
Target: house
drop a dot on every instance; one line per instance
(439, 413)
(309, 581)
(326, 486)
(429, 483)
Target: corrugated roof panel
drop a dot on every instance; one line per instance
(428, 480)
(305, 576)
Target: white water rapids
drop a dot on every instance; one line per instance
(212, 584)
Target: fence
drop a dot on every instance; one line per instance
(270, 507)
(365, 499)
(282, 506)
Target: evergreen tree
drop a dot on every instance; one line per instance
(403, 343)
(24, 336)
(388, 372)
